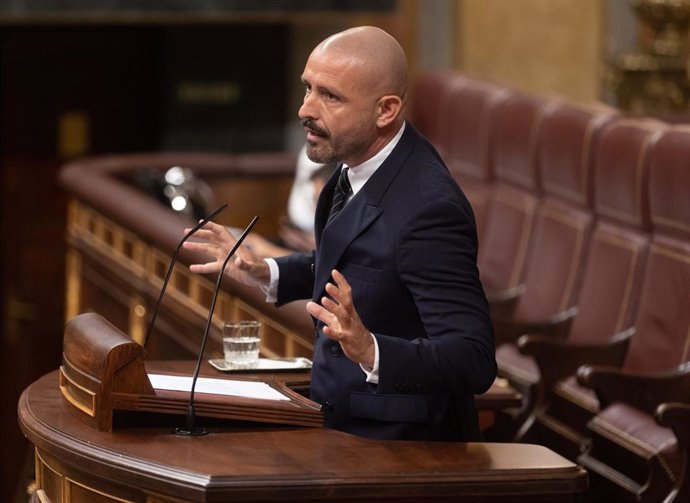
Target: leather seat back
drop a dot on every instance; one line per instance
(617, 253)
(429, 104)
(568, 138)
(662, 339)
(515, 194)
(471, 109)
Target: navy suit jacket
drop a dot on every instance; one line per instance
(407, 244)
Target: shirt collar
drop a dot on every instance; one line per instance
(358, 175)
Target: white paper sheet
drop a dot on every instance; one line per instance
(246, 389)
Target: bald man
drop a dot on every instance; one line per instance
(403, 336)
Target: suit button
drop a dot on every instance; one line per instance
(335, 350)
(327, 407)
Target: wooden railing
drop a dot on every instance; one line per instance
(120, 242)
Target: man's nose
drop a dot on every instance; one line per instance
(308, 109)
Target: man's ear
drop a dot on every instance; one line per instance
(389, 108)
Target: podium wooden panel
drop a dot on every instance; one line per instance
(103, 372)
(76, 463)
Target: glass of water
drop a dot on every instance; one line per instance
(241, 344)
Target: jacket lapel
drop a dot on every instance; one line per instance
(354, 218)
(332, 239)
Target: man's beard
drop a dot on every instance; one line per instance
(320, 153)
(315, 152)
(331, 152)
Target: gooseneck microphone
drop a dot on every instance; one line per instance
(170, 269)
(191, 429)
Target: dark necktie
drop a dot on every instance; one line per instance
(342, 191)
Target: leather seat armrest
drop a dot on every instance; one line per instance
(559, 358)
(646, 391)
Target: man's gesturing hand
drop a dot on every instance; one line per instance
(216, 241)
(342, 321)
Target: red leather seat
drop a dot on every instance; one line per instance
(608, 297)
(428, 105)
(470, 112)
(633, 457)
(514, 196)
(563, 220)
(559, 241)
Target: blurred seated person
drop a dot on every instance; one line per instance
(296, 232)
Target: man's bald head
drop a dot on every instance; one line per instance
(355, 88)
(380, 57)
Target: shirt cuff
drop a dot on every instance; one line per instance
(271, 291)
(373, 372)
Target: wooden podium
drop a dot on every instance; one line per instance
(103, 371)
(76, 463)
(83, 456)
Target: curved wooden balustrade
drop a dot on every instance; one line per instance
(120, 240)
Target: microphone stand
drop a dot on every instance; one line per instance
(170, 269)
(190, 430)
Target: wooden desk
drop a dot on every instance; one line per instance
(149, 464)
